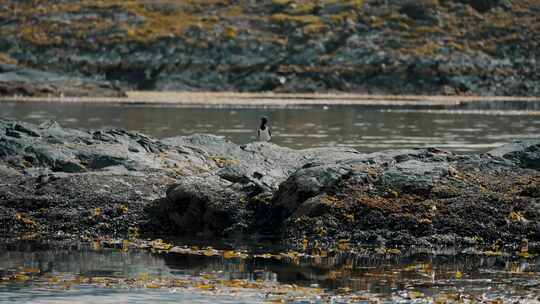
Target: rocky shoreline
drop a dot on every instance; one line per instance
(60, 184)
(428, 47)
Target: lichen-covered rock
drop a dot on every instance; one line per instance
(415, 197)
(480, 47)
(414, 176)
(421, 11)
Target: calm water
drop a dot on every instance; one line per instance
(479, 127)
(85, 275)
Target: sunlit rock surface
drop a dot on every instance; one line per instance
(62, 184)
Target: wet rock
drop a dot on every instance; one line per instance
(90, 184)
(13, 133)
(23, 129)
(279, 6)
(532, 190)
(74, 206)
(253, 170)
(312, 207)
(405, 195)
(304, 184)
(207, 205)
(525, 153)
(335, 8)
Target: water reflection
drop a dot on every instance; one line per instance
(476, 127)
(112, 275)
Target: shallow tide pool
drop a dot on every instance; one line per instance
(83, 274)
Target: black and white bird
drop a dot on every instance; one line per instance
(263, 133)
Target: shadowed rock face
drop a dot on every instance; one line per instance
(17, 80)
(61, 183)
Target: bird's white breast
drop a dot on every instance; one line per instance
(264, 135)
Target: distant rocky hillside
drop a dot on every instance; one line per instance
(103, 47)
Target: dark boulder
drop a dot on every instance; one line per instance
(18, 80)
(524, 153)
(486, 5)
(304, 184)
(204, 205)
(421, 11)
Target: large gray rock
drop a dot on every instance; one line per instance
(71, 184)
(414, 176)
(65, 150)
(304, 184)
(264, 165)
(7, 171)
(525, 153)
(254, 170)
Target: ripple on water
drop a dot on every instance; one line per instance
(41, 115)
(211, 276)
(235, 130)
(208, 275)
(368, 127)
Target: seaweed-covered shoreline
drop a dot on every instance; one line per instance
(430, 47)
(60, 184)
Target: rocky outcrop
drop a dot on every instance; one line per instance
(16, 80)
(524, 153)
(71, 184)
(481, 47)
(221, 200)
(423, 198)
